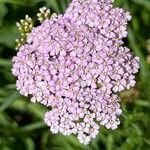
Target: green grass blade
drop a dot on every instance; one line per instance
(9, 100)
(33, 126)
(145, 3)
(136, 49)
(21, 2)
(5, 62)
(30, 145)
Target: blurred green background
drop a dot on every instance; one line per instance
(21, 122)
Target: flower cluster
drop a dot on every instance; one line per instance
(75, 64)
(24, 26)
(43, 14)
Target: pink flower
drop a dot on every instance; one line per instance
(76, 64)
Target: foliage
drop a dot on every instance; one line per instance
(21, 122)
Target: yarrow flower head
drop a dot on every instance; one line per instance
(76, 64)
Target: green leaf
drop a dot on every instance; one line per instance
(8, 34)
(29, 144)
(10, 86)
(3, 119)
(21, 2)
(3, 92)
(110, 142)
(63, 5)
(143, 103)
(5, 62)
(54, 4)
(67, 2)
(147, 141)
(144, 67)
(3, 12)
(33, 126)
(9, 100)
(59, 141)
(145, 3)
(37, 110)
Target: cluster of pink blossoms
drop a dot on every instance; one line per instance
(75, 64)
